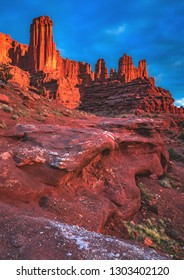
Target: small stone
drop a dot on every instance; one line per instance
(5, 155)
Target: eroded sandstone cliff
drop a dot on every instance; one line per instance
(138, 96)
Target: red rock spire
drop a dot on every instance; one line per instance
(128, 72)
(142, 69)
(101, 71)
(42, 50)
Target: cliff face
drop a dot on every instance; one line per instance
(12, 52)
(41, 55)
(138, 96)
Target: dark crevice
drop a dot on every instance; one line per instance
(163, 160)
(106, 152)
(43, 202)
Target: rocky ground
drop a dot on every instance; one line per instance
(112, 176)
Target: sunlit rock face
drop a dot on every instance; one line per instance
(128, 72)
(74, 84)
(42, 49)
(101, 71)
(12, 52)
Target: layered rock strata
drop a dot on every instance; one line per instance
(138, 96)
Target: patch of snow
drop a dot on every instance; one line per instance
(70, 233)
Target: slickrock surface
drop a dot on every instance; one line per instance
(67, 168)
(70, 168)
(46, 239)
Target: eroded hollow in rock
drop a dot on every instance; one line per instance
(106, 152)
(43, 202)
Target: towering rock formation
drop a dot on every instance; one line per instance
(101, 71)
(142, 69)
(58, 77)
(128, 72)
(42, 54)
(70, 81)
(86, 75)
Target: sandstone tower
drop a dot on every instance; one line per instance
(42, 55)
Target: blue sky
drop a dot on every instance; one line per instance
(87, 30)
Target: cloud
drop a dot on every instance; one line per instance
(116, 31)
(177, 63)
(179, 102)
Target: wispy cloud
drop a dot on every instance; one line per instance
(179, 102)
(177, 63)
(117, 30)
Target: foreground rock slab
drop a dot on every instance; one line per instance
(26, 237)
(82, 172)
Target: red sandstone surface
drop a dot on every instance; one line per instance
(79, 176)
(65, 242)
